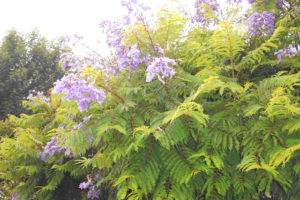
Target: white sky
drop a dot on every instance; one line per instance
(55, 18)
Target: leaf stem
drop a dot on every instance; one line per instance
(112, 92)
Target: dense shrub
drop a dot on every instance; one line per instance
(188, 107)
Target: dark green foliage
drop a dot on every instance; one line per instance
(26, 63)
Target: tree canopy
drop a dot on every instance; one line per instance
(27, 63)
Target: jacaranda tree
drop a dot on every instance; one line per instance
(187, 106)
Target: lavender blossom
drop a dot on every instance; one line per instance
(239, 1)
(86, 118)
(234, 1)
(15, 196)
(279, 4)
(200, 10)
(39, 95)
(136, 11)
(127, 57)
(77, 126)
(85, 185)
(93, 193)
(78, 89)
(160, 67)
(70, 62)
(261, 24)
(51, 148)
(289, 51)
(91, 138)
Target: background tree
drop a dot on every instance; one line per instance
(27, 62)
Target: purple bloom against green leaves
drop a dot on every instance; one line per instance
(136, 12)
(234, 1)
(91, 138)
(134, 7)
(51, 148)
(251, 1)
(85, 185)
(200, 10)
(159, 68)
(77, 126)
(159, 50)
(126, 20)
(15, 196)
(279, 4)
(261, 24)
(86, 118)
(290, 52)
(93, 193)
(280, 53)
(70, 62)
(127, 57)
(130, 57)
(97, 177)
(211, 3)
(63, 126)
(39, 95)
(78, 89)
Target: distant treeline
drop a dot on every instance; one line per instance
(27, 62)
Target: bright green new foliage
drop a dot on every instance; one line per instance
(198, 112)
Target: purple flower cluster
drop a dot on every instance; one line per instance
(126, 57)
(15, 196)
(93, 193)
(85, 185)
(234, 1)
(160, 67)
(51, 148)
(135, 10)
(129, 57)
(261, 24)
(251, 1)
(213, 4)
(200, 10)
(39, 95)
(78, 89)
(91, 138)
(290, 52)
(70, 62)
(279, 3)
